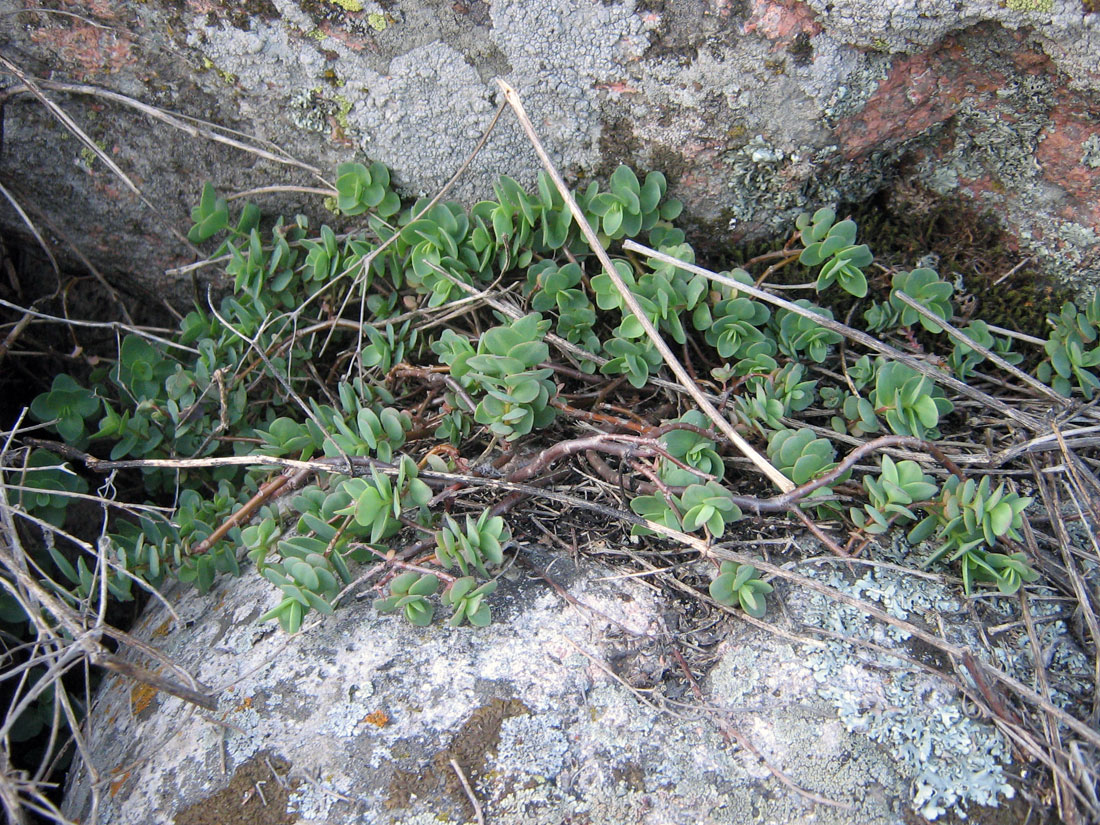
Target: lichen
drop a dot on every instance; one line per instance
(954, 760)
(1031, 5)
(349, 5)
(88, 155)
(769, 188)
(1091, 156)
(310, 110)
(343, 106)
(377, 21)
(209, 65)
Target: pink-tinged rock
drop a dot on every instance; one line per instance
(92, 50)
(920, 92)
(755, 111)
(1073, 126)
(782, 21)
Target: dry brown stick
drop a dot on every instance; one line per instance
(266, 492)
(112, 325)
(776, 477)
(1080, 591)
(283, 380)
(856, 335)
(431, 375)
(1050, 727)
(1077, 473)
(86, 640)
(140, 674)
(65, 616)
(1044, 443)
(717, 552)
(790, 258)
(30, 225)
(279, 188)
(63, 117)
(992, 697)
(752, 504)
(958, 334)
(183, 123)
(478, 814)
(1078, 476)
(13, 336)
(818, 533)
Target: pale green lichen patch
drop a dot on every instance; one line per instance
(1091, 156)
(227, 77)
(310, 109)
(952, 760)
(343, 106)
(88, 156)
(377, 21)
(349, 5)
(1031, 5)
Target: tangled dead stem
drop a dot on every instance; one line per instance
(316, 421)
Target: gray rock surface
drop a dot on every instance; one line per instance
(756, 110)
(558, 712)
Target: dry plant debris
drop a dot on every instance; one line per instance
(374, 410)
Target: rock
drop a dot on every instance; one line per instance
(557, 712)
(755, 110)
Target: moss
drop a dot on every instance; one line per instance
(240, 802)
(908, 223)
(618, 144)
(801, 49)
(477, 738)
(241, 14)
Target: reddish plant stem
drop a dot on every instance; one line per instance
(785, 501)
(600, 418)
(818, 533)
(433, 375)
(266, 492)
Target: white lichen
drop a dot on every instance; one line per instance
(953, 760)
